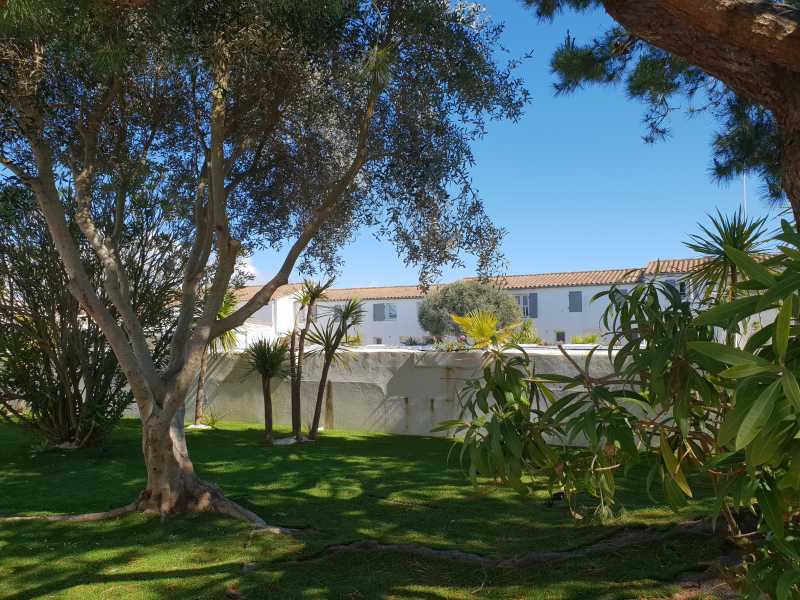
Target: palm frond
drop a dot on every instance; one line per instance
(481, 327)
(227, 341)
(268, 358)
(737, 231)
(312, 291)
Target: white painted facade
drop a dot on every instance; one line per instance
(557, 319)
(399, 322)
(559, 312)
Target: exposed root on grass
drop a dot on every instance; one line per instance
(207, 498)
(612, 543)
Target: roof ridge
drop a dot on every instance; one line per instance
(624, 270)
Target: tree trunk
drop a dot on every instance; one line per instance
(294, 376)
(323, 380)
(730, 336)
(267, 391)
(172, 486)
(200, 397)
(298, 376)
(789, 123)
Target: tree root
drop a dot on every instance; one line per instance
(614, 542)
(97, 516)
(207, 499)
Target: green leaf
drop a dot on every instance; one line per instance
(726, 354)
(791, 388)
(758, 415)
(672, 466)
(771, 504)
(780, 339)
(749, 266)
(764, 449)
(742, 371)
(785, 286)
(732, 421)
(788, 580)
(724, 312)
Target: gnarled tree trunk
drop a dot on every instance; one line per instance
(788, 118)
(172, 485)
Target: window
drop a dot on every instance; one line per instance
(522, 302)
(391, 312)
(384, 311)
(561, 336)
(576, 302)
(377, 340)
(533, 306)
(528, 304)
(682, 288)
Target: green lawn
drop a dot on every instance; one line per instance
(345, 487)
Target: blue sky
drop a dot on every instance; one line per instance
(572, 182)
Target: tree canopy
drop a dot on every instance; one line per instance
(464, 297)
(738, 59)
(261, 124)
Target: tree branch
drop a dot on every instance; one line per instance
(116, 279)
(328, 205)
(745, 72)
(770, 31)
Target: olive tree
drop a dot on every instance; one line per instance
(264, 124)
(460, 298)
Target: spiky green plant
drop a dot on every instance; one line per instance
(526, 334)
(481, 327)
(309, 294)
(719, 276)
(327, 342)
(268, 358)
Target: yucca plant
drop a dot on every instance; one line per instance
(719, 276)
(224, 343)
(327, 340)
(307, 297)
(268, 358)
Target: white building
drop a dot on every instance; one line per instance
(559, 304)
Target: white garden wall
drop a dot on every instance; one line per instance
(391, 391)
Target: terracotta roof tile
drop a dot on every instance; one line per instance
(674, 265)
(574, 278)
(245, 293)
(531, 281)
(394, 292)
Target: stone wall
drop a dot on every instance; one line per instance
(381, 390)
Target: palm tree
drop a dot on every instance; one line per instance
(224, 343)
(327, 340)
(268, 359)
(481, 326)
(307, 297)
(719, 275)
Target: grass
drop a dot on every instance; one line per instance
(346, 487)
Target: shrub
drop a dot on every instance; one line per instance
(589, 338)
(461, 298)
(526, 334)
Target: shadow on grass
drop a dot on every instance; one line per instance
(346, 486)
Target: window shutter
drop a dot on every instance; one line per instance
(575, 301)
(533, 306)
(378, 312)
